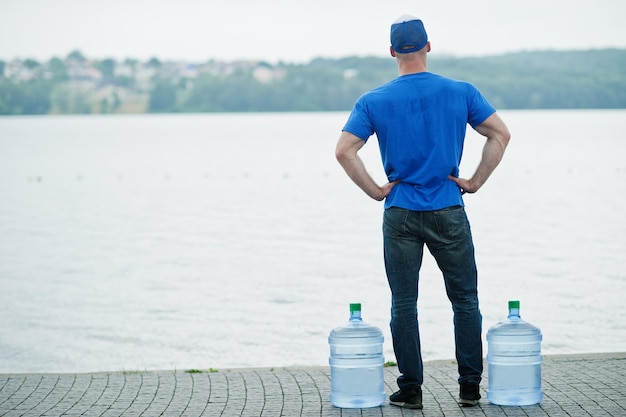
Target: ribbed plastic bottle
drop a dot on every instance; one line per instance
(514, 361)
(356, 363)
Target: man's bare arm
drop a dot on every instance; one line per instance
(346, 152)
(498, 137)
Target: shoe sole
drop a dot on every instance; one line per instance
(467, 403)
(406, 405)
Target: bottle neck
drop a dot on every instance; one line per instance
(514, 313)
(355, 315)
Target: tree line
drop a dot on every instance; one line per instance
(523, 80)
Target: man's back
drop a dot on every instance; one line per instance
(420, 120)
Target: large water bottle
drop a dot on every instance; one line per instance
(356, 363)
(514, 361)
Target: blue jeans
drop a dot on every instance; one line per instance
(447, 236)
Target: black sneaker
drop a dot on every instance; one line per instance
(408, 398)
(469, 394)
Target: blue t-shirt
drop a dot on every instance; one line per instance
(420, 122)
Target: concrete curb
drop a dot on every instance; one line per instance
(574, 385)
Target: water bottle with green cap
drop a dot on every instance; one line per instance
(356, 363)
(514, 361)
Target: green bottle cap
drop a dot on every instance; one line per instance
(355, 307)
(514, 304)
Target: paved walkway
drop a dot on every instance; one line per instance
(574, 385)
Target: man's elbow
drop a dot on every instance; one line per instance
(501, 135)
(344, 152)
(505, 137)
(348, 147)
(341, 153)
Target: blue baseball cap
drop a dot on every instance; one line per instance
(408, 34)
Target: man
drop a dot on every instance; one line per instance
(420, 120)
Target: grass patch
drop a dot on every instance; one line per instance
(135, 372)
(198, 371)
(390, 363)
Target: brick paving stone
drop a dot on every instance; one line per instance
(574, 385)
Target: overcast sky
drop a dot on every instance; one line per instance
(297, 31)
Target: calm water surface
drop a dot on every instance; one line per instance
(197, 241)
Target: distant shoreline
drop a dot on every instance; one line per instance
(590, 79)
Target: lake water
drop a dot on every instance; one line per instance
(236, 240)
